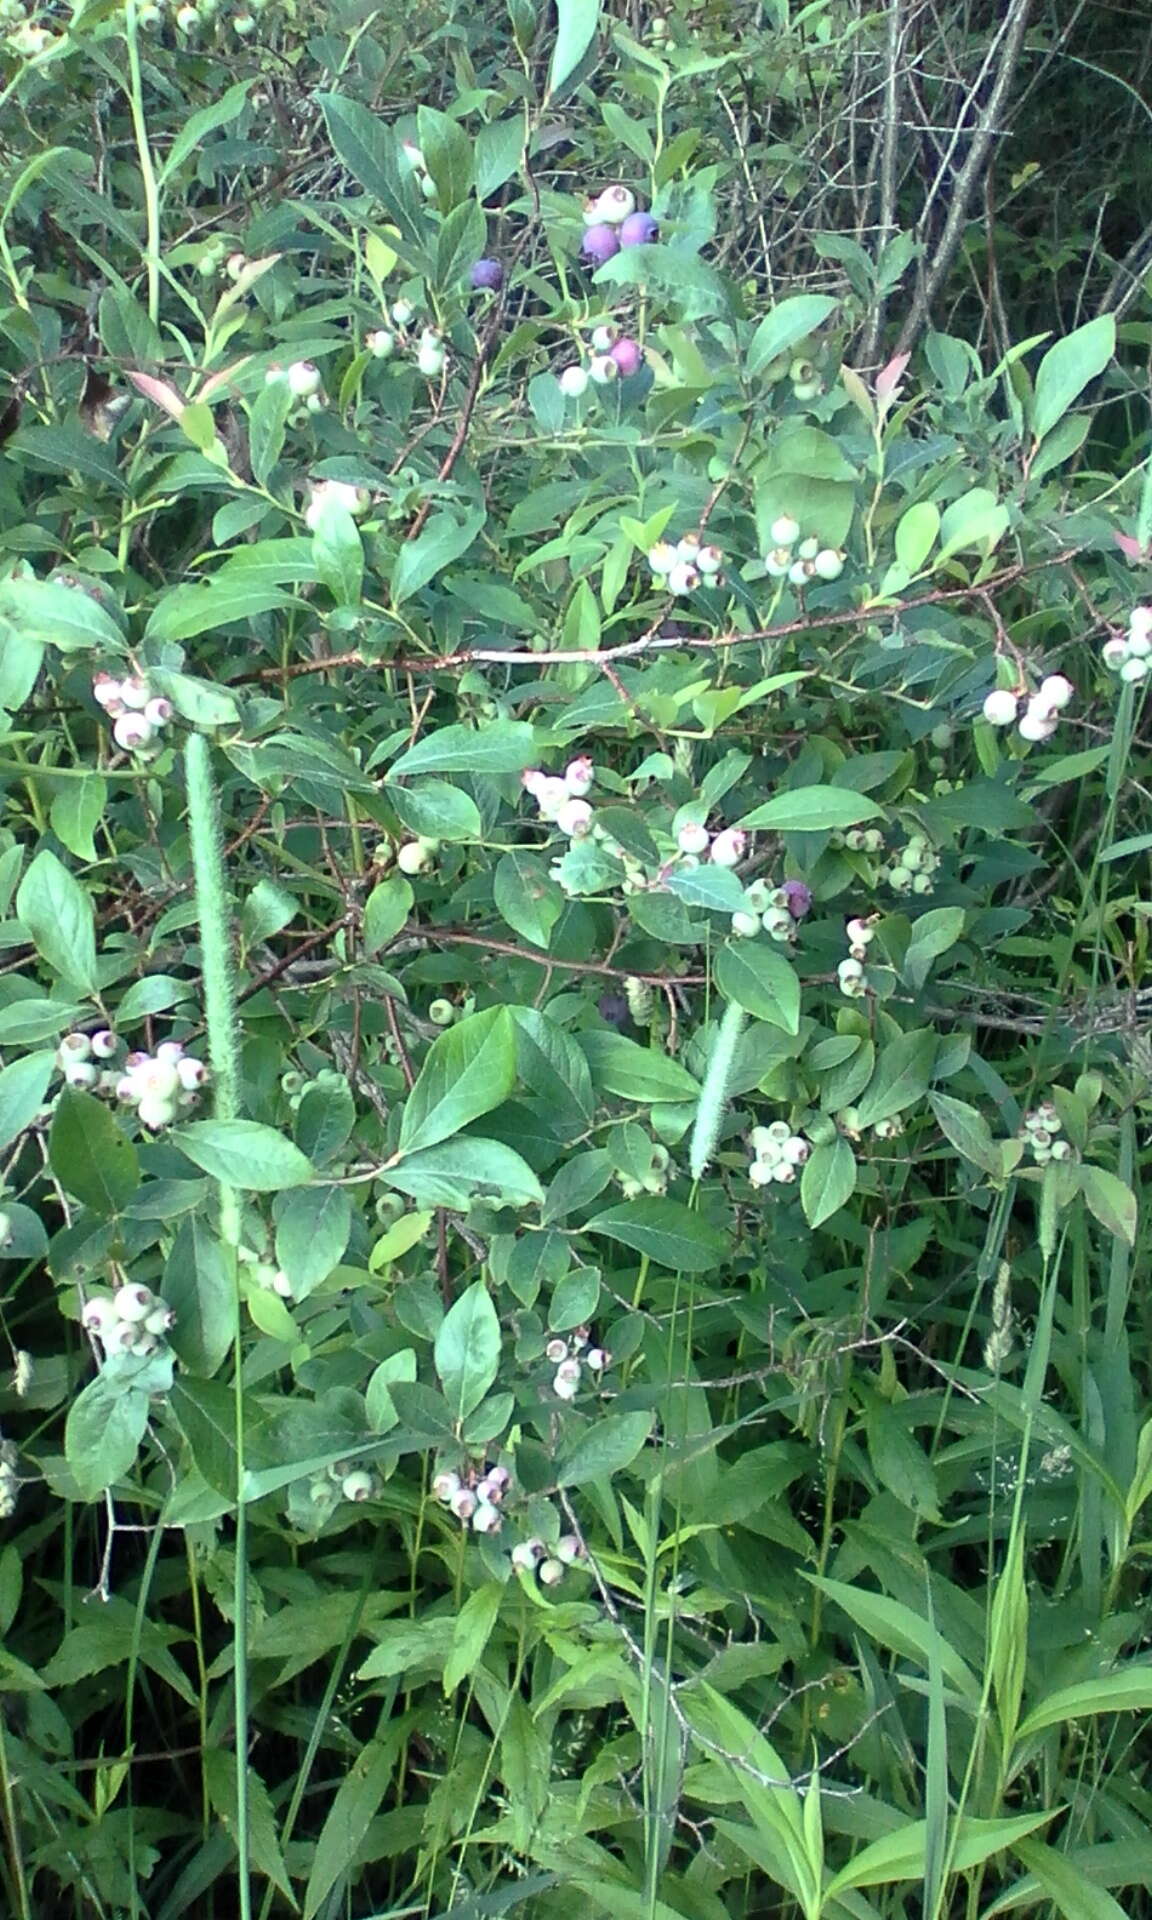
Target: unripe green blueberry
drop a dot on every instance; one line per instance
(829, 564)
(357, 1485)
(442, 1013)
(573, 382)
(785, 531)
(550, 1572)
(381, 344)
(413, 858)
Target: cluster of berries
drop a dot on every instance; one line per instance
(80, 1058)
(475, 1498)
(852, 973)
(549, 1564)
(797, 560)
(723, 849)
(570, 1357)
(614, 356)
(430, 353)
(323, 494)
(131, 1320)
(1041, 1133)
(1042, 709)
(264, 1273)
(1131, 657)
(860, 840)
(848, 1121)
(137, 713)
(612, 220)
(413, 163)
(778, 1153)
(775, 910)
(689, 563)
(911, 869)
(650, 1179)
(305, 383)
(295, 1085)
(159, 1084)
(343, 1480)
(192, 20)
(561, 797)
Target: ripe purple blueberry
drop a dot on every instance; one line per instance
(627, 355)
(639, 230)
(600, 242)
(487, 274)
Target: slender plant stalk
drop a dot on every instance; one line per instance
(224, 1054)
(148, 181)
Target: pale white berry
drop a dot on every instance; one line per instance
(693, 837)
(134, 1303)
(527, 1555)
(1140, 644)
(683, 578)
(850, 970)
(1036, 726)
(778, 563)
(154, 1114)
(604, 337)
(551, 794)
(709, 560)
(573, 382)
(579, 775)
(463, 1503)
(445, 1485)
(603, 369)
(551, 1572)
(132, 731)
(1133, 671)
(760, 1173)
(808, 549)
(487, 1518)
(98, 1315)
(191, 1074)
(574, 818)
(303, 379)
(81, 1073)
(662, 557)
(745, 925)
(1000, 707)
(556, 1351)
(413, 857)
(1114, 653)
(1055, 691)
(829, 564)
(727, 850)
(785, 531)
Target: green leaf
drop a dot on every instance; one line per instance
(1067, 368)
(967, 1130)
(1124, 1690)
(828, 1181)
(23, 1085)
(91, 1157)
(467, 1350)
(576, 24)
(443, 540)
(324, 1119)
(812, 810)
(933, 934)
(467, 1071)
(183, 612)
(901, 1855)
(386, 912)
(472, 1632)
(609, 1445)
(220, 1770)
(632, 1072)
(891, 1624)
(899, 1462)
(60, 919)
(26, 1021)
(367, 146)
(409, 1646)
(555, 1070)
(379, 1405)
(761, 980)
(339, 553)
(665, 1231)
(199, 125)
(105, 1425)
(1110, 1201)
(916, 536)
(507, 746)
(902, 1076)
(200, 1289)
(437, 810)
(448, 1174)
(786, 326)
(714, 888)
(526, 896)
(312, 1229)
(65, 617)
(1071, 1892)
(21, 658)
(267, 423)
(76, 813)
(243, 1153)
(448, 152)
(349, 1818)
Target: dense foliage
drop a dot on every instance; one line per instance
(573, 1058)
